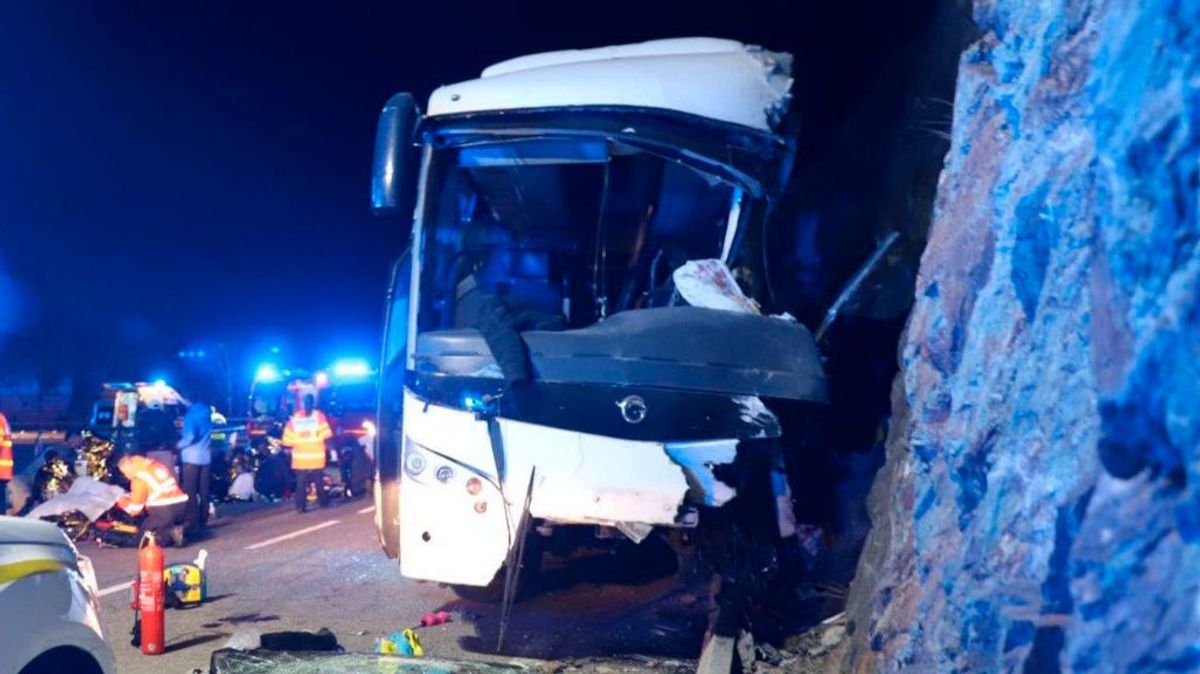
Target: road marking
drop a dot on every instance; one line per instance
(114, 589)
(294, 534)
(368, 509)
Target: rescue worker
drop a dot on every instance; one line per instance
(6, 462)
(155, 496)
(306, 433)
(196, 451)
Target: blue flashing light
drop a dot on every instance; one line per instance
(160, 383)
(200, 354)
(266, 373)
(274, 349)
(474, 403)
(351, 367)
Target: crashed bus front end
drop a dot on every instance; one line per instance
(542, 368)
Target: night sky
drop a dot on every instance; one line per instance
(174, 173)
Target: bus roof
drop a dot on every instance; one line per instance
(718, 79)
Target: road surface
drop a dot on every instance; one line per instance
(271, 569)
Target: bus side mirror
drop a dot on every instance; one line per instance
(395, 159)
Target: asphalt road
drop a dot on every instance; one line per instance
(271, 569)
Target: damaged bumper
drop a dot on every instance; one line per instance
(626, 424)
(458, 515)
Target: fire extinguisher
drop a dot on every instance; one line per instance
(149, 601)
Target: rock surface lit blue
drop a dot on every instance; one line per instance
(1040, 507)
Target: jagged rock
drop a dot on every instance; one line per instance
(768, 654)
(832, 636)
(1039, 510)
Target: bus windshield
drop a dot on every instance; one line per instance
(568, 230)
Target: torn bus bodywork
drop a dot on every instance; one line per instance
(539, 364)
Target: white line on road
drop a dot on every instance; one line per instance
(368, 509)
(114, 589)
(294, 534)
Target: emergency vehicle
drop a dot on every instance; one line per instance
(115, 415)
(119, 403)
(274, 395)
(49, 603)
(348, 397)
(541, 371)
(345, 392)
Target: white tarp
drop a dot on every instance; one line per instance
(242, 488)
(88, 496)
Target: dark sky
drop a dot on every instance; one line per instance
(186, 171)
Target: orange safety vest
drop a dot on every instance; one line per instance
(153, 485)
(306, 435)
(6, 457)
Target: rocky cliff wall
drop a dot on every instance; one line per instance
(1040, 506)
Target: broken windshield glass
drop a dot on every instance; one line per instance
(570, 230)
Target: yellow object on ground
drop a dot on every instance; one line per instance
(405, 642)
(187, 582)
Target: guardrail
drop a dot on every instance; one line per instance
(27, 436)
(32, 434)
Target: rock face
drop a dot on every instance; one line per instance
(1040, 506)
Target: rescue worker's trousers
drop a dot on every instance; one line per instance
(3, 497)
(303, 479)
(161, 520)
(196, 480)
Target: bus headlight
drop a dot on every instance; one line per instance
(414, 461)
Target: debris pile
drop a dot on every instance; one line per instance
(818, 650)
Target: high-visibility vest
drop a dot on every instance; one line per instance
(152, 485)
(306, 435)
(6, 454)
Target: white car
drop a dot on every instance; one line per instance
(49, 616)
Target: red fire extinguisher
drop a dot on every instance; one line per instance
(149, 603)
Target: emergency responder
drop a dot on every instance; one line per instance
(196, 451)
(306, 433)
(154, 496)
(6, 462)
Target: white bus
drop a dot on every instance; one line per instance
(541, 373)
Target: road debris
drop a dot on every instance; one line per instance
(321, 640)
(717, 656)
(266, 662)
(814, 651)
(632, 664)
(745, 649)
(405, 643)
(432, 619)
(244, 640)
